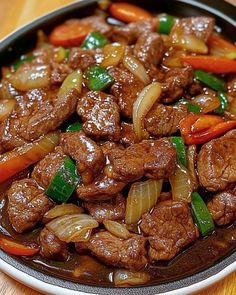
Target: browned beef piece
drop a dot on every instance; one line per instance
(45, 170)
(109, 146)
(151, 158)
(130, 254)
(149, 49)
(126, 88)
(163, 120)
(169, 228)
(100, 114)
(87, 154)
(217, 162)
(201, 26)
(103, 188)
(129, 33)
(128, 135)
(175, 82)
(59, 73)
(51, 247)
(231, 86)
(223, 207)
(27, 204)
(81, 58)
(110, 210)
(98, 23)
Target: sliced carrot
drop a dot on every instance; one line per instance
(220, 47)
(15, 248)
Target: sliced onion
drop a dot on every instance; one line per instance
(146, 99)
(142, 198)
(181, 184)
(61, 210)
(206, 102)
(231, 110)
(113, 54)
(117, 229)
(130, 278)
(73, 80)
(26, 78)
(136, 68)
(73, 228)
(6, 106)
(173, 60)
(191, 162)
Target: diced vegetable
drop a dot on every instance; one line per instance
(142, 198)
(165, 23)
(61, 210)
(223, 103)
(181, 184)
(21, 158)
(6, 106)
(23, 59)
(191, 161)
(173, 58)
(77, 126)
(128, 12)
(178, 143)
(210, 80)
(201, 215)
(61, 54)
(69, 34)
(146, 99)
(73, 80)
(113, 54)
(117, 229)
(130, 278)
(64, 182)
(220, 47)
(213, 64)
(231, 110)
(207, 103)
(72, 228)
(98, 78)
(14, 248)
(193, 108)
(94, 40)
(136, 68)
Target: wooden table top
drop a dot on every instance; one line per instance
(13, 14)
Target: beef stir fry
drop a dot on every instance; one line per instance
(118, 144)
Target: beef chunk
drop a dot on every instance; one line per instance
(126, 88)
(201, 26)
(27, 204)
(130, 254)
(103, 188)
(169, 228)
(110, 210)
(59, 73)
(217, 162)
(129, 33)
(81, 58)
(87, 154)
(175, 82)
(128, 135)
(151, 158)
(149, 49)
(223, 207)
(51, 247)
(163, 120)
(98, 23)
(100, 114)
(231, 86)
(45, 170)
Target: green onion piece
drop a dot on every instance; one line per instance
(210, 80)
(23, 59)
(223, 103)
(192, 108)
(98, 78)
(94, 40)
(64, 182)
(178, 143)
(166, 23)
(201, 215)
(77, 126)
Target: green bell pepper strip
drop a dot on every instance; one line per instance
(77, 126)
(210, 80)
(64, 182)
(166, 23)
(201, 215)
(98, 78)
(178, 143)
(20, 62)
(94, 40)
(192, 108)
(67, 53)
(223, 103)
